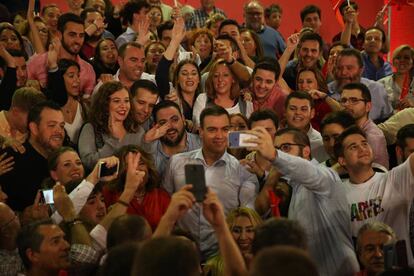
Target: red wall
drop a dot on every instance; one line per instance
(402, 20)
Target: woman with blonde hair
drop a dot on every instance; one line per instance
(223, 90)
(242, 222)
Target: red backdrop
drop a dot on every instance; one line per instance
(402, 20)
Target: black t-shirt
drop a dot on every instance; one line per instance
(22, 183)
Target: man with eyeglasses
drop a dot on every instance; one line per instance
(380, 196)
(318, 202)
(356, 99)
(272, 41)
(349, 68)
(10, 262)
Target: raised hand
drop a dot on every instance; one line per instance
(264, 143)
(63, 204)
(350, 15)
(156, 132)
(6, 163)
(213, 210)
(143, 31)
(134, 176)
(53, 53)
(180, 203)
(34, 212)
(293, 41)
(7, 57)
(14, 144)
(253, 167)
(178, 30)
(110, 162)
(316, 94)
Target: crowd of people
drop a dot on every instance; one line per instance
(104, 106)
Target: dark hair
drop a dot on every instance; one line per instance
(17, 53)
(52, 160)
(26, 97)
(162, 105)
(153, 177)
(279, 231)
(271, 65)
(299, 137)
(214, 110)
(132, 7)
(385, 45)
(311, 36)
(341, 118)
(66, 18)
(337, 43)
(344, 5)
(64, 64)
(19, 37)
(272, 9)
(167, 25)
(228, 21)
(176, 83)
(365, 93)
(84, 13)
(99, 112)
(35, 111)
(320, 79)
(172, 256)
(45, 7)
(233, 43)
(283, 260)
(299, 95)
(123, 48)
(263, 114)
(145, 84)
(403, 133)
(339, 147)
(259, 47)
(97, 56)
(308, 10)
(120, 259)
(126, 229)
(30, 238)
(351, 52)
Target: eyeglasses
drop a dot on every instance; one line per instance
(351, 101)
(9, 222)
(286, 147)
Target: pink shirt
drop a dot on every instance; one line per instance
(37, 70)
(274, 101)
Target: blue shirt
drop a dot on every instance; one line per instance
(319, 204)
(234, 185)
(272, 42)
(125, 37)
(373, 73)
(381, 107)
(161, 158)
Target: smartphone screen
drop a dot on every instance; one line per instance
(105, 171)
(48, 196)
(238, 139)
(194, 175)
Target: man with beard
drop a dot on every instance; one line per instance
(272, 41)
(145, 95)
(349, 68)
(317, 202)
(356, 100)
(176, 139)
(375, 196)
(309, 51)
(234, 185)
(71, 34)
(46, 133)
(94, 29)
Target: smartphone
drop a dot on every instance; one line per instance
(194, 175)
(237, 139)
(103, 170)
(395, 255)
(47, 196)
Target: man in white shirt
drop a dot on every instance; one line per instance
(385, 197)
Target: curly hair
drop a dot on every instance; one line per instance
(99, 111)
(177, 72)
(211, 93)
(153, 177)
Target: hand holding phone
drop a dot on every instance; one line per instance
(237, 139)
(47, 196)
(194, 175)
(104, 171)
